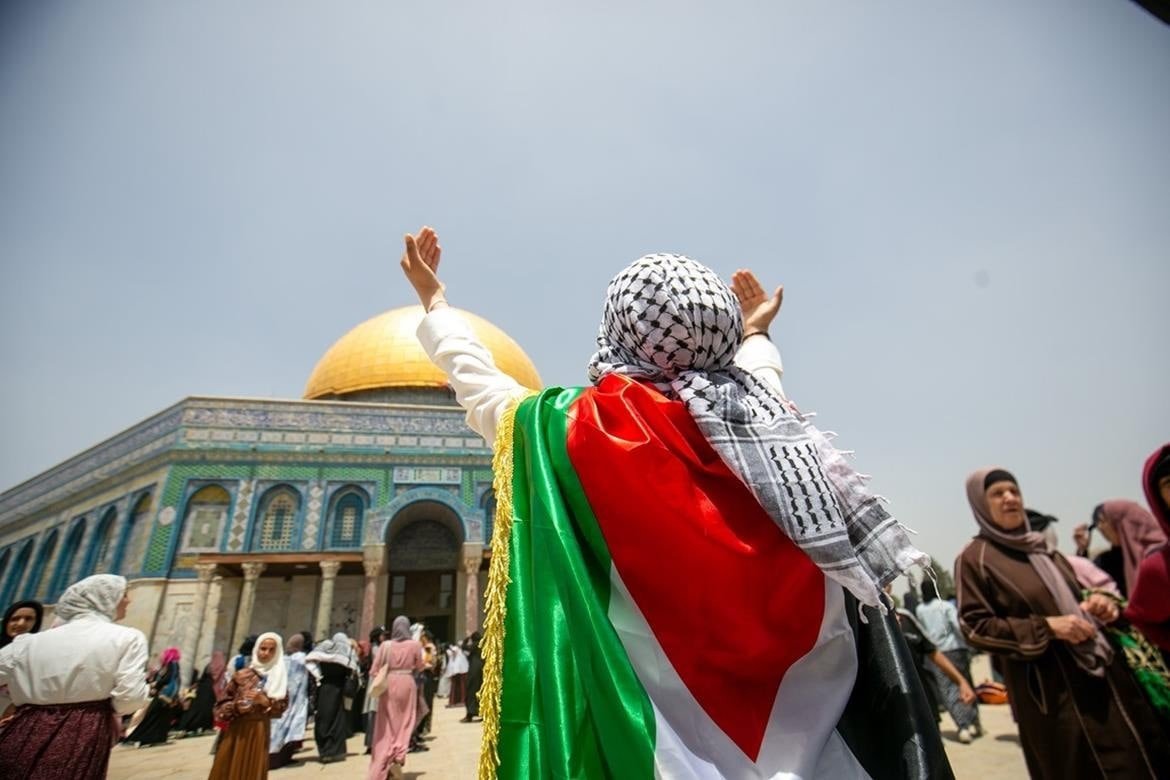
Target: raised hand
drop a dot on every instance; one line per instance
(420, 265)
(758, 308)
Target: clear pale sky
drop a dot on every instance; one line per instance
(968, 204)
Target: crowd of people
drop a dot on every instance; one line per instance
(68, 695)
(1081, 642)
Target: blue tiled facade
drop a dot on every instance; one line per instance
(237, 476)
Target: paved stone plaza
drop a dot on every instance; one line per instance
(454, 753)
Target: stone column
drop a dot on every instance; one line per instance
(194, 630)
(329, 571)
(369, 596)
(206, 644)
(252, 571)
(471, 569)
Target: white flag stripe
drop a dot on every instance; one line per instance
(801, 741)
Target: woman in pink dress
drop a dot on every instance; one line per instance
(398, 706)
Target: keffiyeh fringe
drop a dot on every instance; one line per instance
(671, 321)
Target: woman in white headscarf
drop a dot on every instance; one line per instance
(71, 684)
(334, 664)
(256, 694)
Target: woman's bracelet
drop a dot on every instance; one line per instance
(435, 302)
(763, 333)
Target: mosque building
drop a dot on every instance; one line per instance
(368, 498)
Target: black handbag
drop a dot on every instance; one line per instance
(350, 689)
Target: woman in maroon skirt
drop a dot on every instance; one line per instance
(71, 683)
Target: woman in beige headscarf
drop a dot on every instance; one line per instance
(70, 684)
(1080, 713)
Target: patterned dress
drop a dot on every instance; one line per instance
(288, 733)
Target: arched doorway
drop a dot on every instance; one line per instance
(424, 548)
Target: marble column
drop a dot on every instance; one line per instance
(369, 596)
(206, 644)
(252, 572)
(471, 605)
(329, 571)
(194, 629)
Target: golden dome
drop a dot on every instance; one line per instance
(383, 352)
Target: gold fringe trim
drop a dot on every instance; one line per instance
(495, 608)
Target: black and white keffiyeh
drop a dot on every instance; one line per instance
(673, 322)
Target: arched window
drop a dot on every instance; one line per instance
(132, 549)
(8, 595)
(205, 518)
(277, 520)
(98, 561)
(63, 576)
(349, 511)
(32, 588)
(488, 504)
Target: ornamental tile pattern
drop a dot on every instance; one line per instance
(313, 516)
(203, 440)
(227, 423)
(235, 541)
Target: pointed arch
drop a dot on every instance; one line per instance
(97, 560)
(205, 517)
(488, 504)
(132, 545)
(63, 574)
(347, 514)
(275, 526)
(16, 573)
(48, 546)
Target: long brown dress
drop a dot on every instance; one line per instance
(1072, 724)
(243, 752)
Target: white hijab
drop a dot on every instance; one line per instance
(275, 671)
(333, 651)
(97, 597)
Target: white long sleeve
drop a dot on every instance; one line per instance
(88, 659)
(760, 356)
(480, 388)
(130, 688)
(485, 391)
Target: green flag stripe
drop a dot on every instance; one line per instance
(571, 704)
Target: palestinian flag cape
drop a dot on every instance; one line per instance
(646, 618)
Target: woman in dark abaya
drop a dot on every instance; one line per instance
(208, 689)
(333, 664)
(357, 708)
(474, 676)
(165, 704)
(1080, 712)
